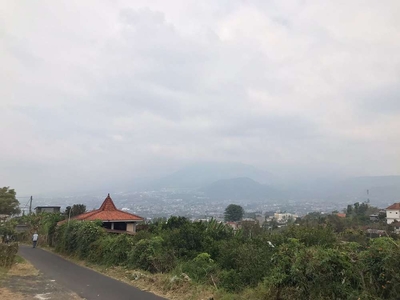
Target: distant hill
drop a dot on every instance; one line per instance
(243, 188)
(381, 189)
(199, 175)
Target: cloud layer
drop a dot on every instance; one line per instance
(100, 91)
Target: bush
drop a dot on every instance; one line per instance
(111, 250)
(230, 280)
(149, 255)
(7, 254)
(76, 238)
(201, 268)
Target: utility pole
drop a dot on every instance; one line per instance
(30, 205)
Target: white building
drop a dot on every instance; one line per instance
(393, 213)
(284, 217)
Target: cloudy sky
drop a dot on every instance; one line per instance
(100, 91)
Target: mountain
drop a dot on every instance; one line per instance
(242, 188)
(381, 189)
(199, 175)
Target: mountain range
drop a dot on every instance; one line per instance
(243, 182)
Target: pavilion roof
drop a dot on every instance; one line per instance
(108, 212)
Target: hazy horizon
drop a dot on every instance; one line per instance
(99, 92)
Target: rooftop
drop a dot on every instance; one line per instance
(47, 207)
(394, 206)
(108, 213)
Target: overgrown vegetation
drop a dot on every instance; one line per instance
(318, 257)
(9, 204)
(7, 254)
(308, 261)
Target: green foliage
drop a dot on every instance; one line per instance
(322, 258)
(312, 235)
(9, 205)
(359, 213)
(76, 237)
(148, 255)
(246, 263)
(75, 210)
(7, 230)
(187, 240)
(111, 250)
(233, 213)
(7, 254)
(201, 268)
(381, 266)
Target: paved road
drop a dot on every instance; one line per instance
(86, 283)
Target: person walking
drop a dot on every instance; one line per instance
(34, 239)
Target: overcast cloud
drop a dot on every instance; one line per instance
(99, 91)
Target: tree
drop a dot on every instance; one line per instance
(9, 205)
(233, 213)
(75, 210)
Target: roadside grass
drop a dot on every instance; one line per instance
(6, 271)
(20, 268)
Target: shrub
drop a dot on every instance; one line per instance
(149, 255)
(75, 238)
(111, 249)
(201, 268)
(7, 254)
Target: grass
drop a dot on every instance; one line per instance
(20, 268)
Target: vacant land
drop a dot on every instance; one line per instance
(23, 282)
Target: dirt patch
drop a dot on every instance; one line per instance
(23, 282)
(6, 293)
(23, 268)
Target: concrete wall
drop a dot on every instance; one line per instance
(131, 227)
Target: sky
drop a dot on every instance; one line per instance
(94, 92)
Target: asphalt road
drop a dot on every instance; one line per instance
(86, 283)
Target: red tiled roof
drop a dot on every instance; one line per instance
(394, 206)
(107, 212)
(341, 215)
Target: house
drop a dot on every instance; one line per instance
(233, 225)
(393, 213)
(47, 209)
(114, 220)
(374, 217)
(284, 217)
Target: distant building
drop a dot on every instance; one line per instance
(114, 220)
(374, 217)
(260, 219)
(284, 217)
(393, 213)
(233, 225)
(47, 209)
(341, 215)
(22, 228)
